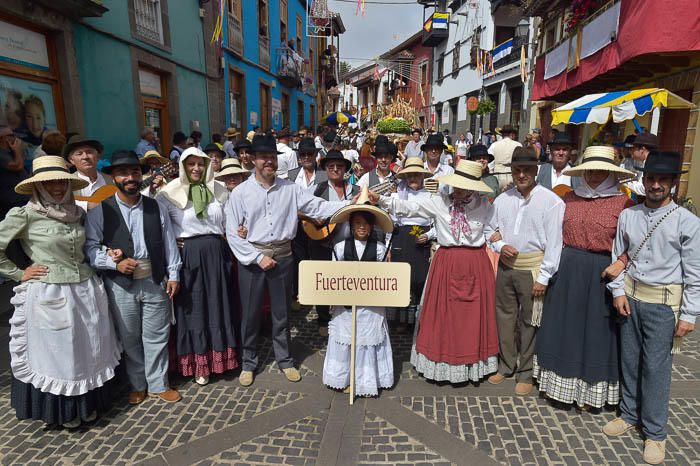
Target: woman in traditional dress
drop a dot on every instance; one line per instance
(63, 347)
(577, 344)
(456, 338)
(374, 367)
(205, 307)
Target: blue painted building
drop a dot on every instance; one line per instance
(270, 65)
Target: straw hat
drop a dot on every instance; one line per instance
(382, 219)
(413, 165)
(231, 132)
(599, 158)
(231, 167)
(467, 175)
(50, 168)
(153, 154)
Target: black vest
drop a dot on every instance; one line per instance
(369, 254)
(322, 190)
(116, 235)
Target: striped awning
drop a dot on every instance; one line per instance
(624, 105)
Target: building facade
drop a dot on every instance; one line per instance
(602, 48)
(105, 69)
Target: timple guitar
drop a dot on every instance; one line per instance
(318, 233)
(167, 171)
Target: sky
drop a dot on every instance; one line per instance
(381, 28)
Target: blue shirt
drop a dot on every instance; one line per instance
(142, 147)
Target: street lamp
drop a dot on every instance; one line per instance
(522, 30)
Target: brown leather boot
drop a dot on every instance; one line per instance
(496, 378)
(170, 395)
(136, 397)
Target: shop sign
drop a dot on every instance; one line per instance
(149, 83)
(23, 47)
(472, 104)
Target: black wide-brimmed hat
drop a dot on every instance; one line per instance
(647, 139)
(125, 158)
(479, 150)
(522, 156)
(434, 140)
(664, 163)
(214, 148)
(264, 143)
(561, 139)
(329, 136)
(383, 147)
(242, 143)
(78, 140)
(307, 145)
(335, 155)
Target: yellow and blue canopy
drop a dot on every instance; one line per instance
(338, 118)
(624, 105)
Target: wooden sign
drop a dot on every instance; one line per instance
(472, 104)
(354, 283)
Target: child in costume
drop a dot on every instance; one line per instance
(373, 357)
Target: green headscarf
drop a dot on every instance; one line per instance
(200, 196)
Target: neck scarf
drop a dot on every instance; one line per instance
(200, 196)
(65, 210)
(608, 188)
(459, 221)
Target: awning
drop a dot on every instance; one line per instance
(625, 105)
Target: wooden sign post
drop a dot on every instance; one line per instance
(380, 284)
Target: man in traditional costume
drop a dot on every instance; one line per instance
(529, 220)
(553, 174)
(83, 154)
(502, 152)
(658, 298)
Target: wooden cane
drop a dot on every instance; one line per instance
(352, 354)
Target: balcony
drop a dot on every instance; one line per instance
(235, 35)
(264, 52)
(436, 29)
(290, 67)
(515, 53)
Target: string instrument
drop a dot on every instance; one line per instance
(103, 193)
(561, 189)
(318, 233)
(167, 171)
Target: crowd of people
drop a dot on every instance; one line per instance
(578, 275)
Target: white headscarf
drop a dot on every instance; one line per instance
(608, 188)
(177, 191)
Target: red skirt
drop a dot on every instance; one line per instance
(458, 321)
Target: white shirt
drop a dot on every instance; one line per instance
(407, 194)
(462, 148)
(90, 189)
(413, 149)
(227, 147)
(270, 214)
(317, 141)
(532, 224)
(364, 179)
(303, 181)
(561, 179)
(286, 160)
(186, 224)
(441, 170)
(502, 152)
(352, 155)
(480, 214)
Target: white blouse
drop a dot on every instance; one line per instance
(480, 214)
(186, 224)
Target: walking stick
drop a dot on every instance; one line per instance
(352, 354)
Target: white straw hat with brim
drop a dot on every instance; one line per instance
(382, 219)
(153, 154)
(599, 158)
(467, 175)
(50, 168)
(413, 165)
(231, 167)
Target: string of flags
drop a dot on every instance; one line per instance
(360, 7)
(218, 35)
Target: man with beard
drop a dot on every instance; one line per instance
(642, 146)
(141, 255)
(657, 298)
(83, 154)
(267, 205)
(529, 220)
(552, 174)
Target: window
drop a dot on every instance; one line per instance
(154, 103)
(455, 59)
(283, 21)
(263, 29)
(235, 26)
(300, 114)
(440, 66)
(237, 106)
(265, 107)
(516, 97)
(300, 27)
(312, 116)
(263, 35)
(424, 74)
(149, 20)
(285, 111)
(476, 45)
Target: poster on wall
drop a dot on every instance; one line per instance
(23, 47)
(253, 119)
(28, 108)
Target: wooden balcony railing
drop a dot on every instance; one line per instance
(235, 35)
(264, 52)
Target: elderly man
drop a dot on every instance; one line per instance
(529, 219)
(657, 298)
(552, 174)
(308, 174)
(83, 154)
(130, 240)
(502, 152)
(148, 141)
(642, 146)
(286, 158)
(413, 146)
(267, 205)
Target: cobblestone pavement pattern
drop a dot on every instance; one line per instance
(415, 423)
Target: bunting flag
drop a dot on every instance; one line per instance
(360, 7)
(502, 50)
(523, 65)
(218, 35)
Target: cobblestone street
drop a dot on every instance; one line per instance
(277, 422)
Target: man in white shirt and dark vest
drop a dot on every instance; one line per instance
(83, 154)
(130, 241)
(552, 174)
(502, 152)
(529, 220)
(658, 299)
(383, 153)
(267, 206)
